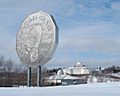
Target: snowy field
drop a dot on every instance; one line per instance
(101, 89)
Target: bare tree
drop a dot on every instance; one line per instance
(20, 68)
(2, 62)
(9, 66)
(20, 71)
(8, 69)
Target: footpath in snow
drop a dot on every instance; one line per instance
(98, 89)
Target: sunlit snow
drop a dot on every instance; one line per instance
(97, 89)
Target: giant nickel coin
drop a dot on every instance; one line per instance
(37, 39)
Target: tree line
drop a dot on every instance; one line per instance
(12, 74)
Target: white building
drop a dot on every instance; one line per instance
(75, 75)
(77, 70)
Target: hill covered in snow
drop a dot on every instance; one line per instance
(98, 89)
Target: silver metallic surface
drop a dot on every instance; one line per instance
(39, 76)
(29, 78)
(37, 39)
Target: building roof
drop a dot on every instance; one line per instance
(59, 77)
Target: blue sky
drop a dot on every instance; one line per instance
(89, 30)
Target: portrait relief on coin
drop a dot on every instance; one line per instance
(36, 40)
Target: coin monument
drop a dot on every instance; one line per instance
(37, 39)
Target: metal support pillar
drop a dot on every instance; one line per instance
(39, 76)
(29, 79)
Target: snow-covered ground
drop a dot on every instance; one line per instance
(116, 75)
(98, 89)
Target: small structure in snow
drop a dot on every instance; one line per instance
(69, 76)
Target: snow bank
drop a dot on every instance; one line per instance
(116, 75)
(98, 89)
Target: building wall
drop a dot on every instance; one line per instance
(73, 81)
(77, 71)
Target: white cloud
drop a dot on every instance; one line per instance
(6, 42)
(116, 6)
(98, 37)
(93, 62)
(81, 35)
